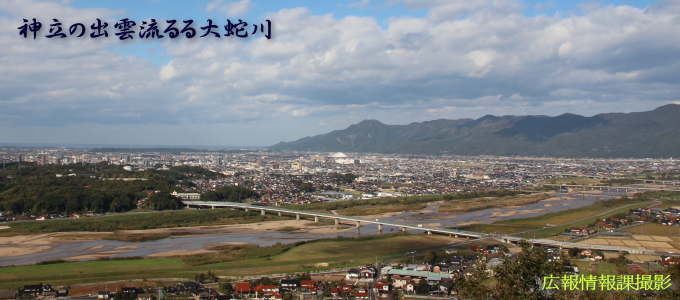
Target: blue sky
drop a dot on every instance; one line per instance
(328, 65)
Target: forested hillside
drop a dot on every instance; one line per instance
(32, 189)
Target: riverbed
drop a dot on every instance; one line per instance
(197, 242)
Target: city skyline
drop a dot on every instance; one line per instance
(328, 66)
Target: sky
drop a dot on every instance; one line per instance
(328, 64)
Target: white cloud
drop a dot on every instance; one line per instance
(230, 8)
(319, 64)
(359, 4)
(168, 72)
(457, 61)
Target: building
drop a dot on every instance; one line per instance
(289, 284)
(430, 276)
(187, 196)
(242, 287)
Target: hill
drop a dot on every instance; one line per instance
(653, 133)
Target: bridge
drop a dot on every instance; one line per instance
(609, 188)
(664, 182)
(404, 227)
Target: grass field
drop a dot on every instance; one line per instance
(557, 222)
(179, 218)
(491, 202)
(669, 203)
(409, 203)
(499, 228)
(380, 209)
(447, 206)
(607, 268)
(655, 229)
(245, 261)
(642, 241)
(610, 268)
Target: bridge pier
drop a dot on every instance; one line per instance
(380, 228)
(316, 219)
(358, 224)
(279, 214)
(429, 232)
(246, 209)
(262, 212)
(212, 207)
(336, 222)
(297, 217)
(402, 229)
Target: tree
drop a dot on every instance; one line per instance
(227, 288)
(302, 276)
(674, 272)
(621, 260)
(473, 286)
(423, 288)
(163, 201)
(206, 277)
(36, 189)
(344, 178)
(306, 187)
(229, 194)
(264, 281)
(519, 277)
(431, 257)
(573, 252)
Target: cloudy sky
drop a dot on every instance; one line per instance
(329, 64)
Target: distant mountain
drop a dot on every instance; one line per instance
(653, 133)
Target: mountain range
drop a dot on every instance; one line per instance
(653, 133)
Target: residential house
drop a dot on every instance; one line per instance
(242, 287)
(308, 286)
(289, 284)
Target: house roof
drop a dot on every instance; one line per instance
(423, 274)
(266, 287)
(242, 287)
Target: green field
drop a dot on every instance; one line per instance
(240, 262)
(602, 267)
(136, 221)
(410, 203)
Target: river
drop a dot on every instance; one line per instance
(85, 249)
